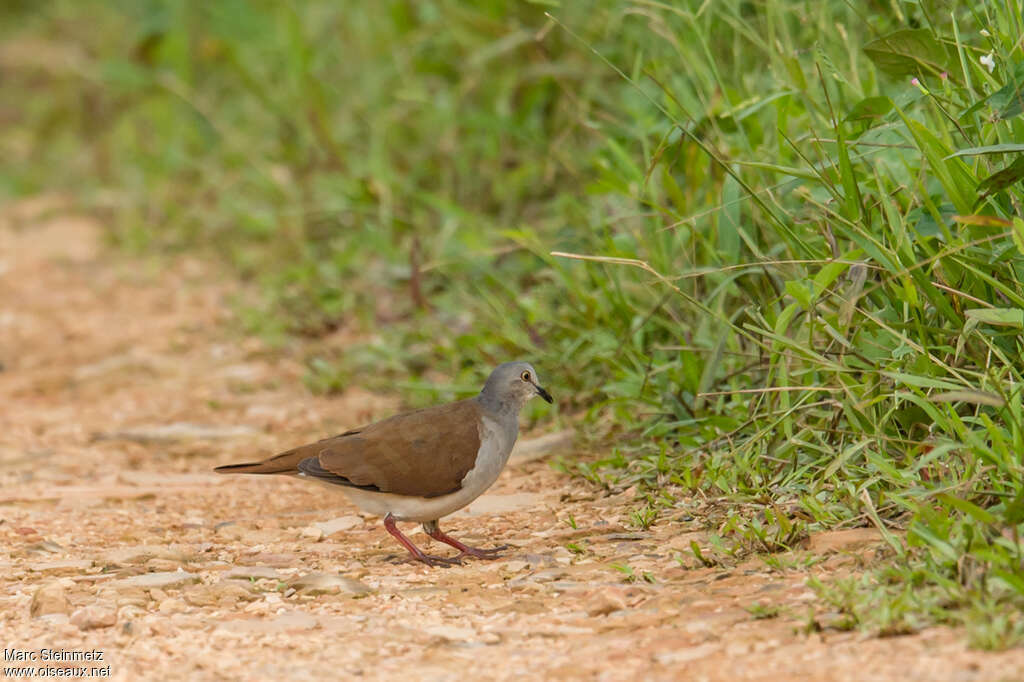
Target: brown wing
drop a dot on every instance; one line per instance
(425, 453)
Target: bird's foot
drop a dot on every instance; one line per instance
(415, 553)
(429, 560)
(481, 553)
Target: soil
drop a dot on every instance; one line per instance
(124, 382)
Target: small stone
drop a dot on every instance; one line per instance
(61, 567)
(849, 540)
(162, 565)
(275, 560)
(50, 598)
(314, 533)
(252, 572)
(94, 617)
(222, 593)
(45, 547)
(291, 621)
(327, 583)
(603, 605)
(163, 579)
(450, 633)
(139, 554)
(516, 566)
(172, 605)
(339, 524)
(548, 574)
(125, 597)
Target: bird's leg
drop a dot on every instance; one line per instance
(417, 553)
(433, 530)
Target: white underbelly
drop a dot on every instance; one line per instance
(490, 460)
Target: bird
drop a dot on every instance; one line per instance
(421, 465)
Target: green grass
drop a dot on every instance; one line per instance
(796, 285)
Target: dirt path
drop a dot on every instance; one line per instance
(121, 388)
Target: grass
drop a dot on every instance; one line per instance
(790, 235)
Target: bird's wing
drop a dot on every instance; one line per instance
(425, 453)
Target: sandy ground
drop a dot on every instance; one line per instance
(122, 386)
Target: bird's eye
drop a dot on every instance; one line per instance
(525, 376)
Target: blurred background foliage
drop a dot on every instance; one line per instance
(801, 220)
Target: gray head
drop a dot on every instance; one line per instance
(511, 385)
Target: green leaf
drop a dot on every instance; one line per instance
(922, 382)
(729, 221)
(939, 545)
(1018, 234)
(997, 317)
(909, 52)
(785, 170)
(869, 109)
(990, 149)
(800, 291)
(973, 397)
(1000, 180)
(1008, 101)
(969, 508)
(824, 278)
(955, 176)
(851, 190)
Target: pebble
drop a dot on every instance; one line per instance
(58, 567)
(252, 572)
(161, 579)
(339, 524)
(226, 593)
(327, 583)
(94, 617)
(50, 598)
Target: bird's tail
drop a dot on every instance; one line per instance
(285, 463)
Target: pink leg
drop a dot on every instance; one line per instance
(417, 553)
(434, 531)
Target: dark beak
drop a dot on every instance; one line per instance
(544, 394)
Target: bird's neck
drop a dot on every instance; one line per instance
(497, 407)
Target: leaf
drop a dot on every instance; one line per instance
(922, 382)
(989, 149)
(981, 220)
(1000, 180)
(1009, 100)
(1006, 101)
(729, 221)
(954, 175)
(824, 278)
(800, 291)
(785, 170)
(909, 52)
(939, 545)
(997, 317)
(870, 108)
(969, 508)
(1018, 234)
(973, 397)
(851, 189)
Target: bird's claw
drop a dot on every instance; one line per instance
(480, 553)
(429, 560)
